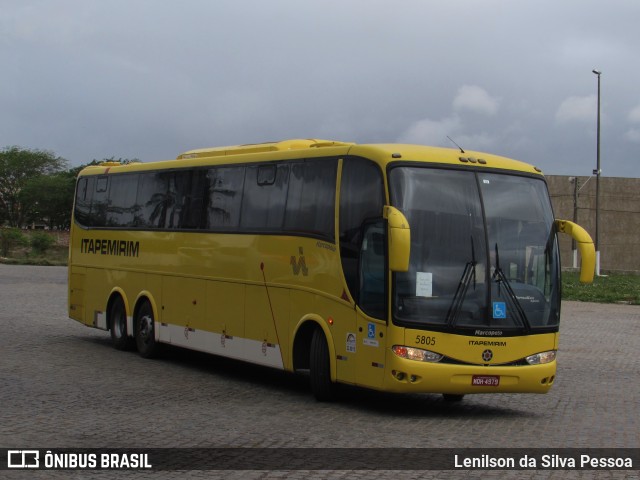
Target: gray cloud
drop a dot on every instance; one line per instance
(92, 79)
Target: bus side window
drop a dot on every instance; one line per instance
(151, 199)
(179, 182)
(361, 200)
(84, 194)
(122, 208)
(100, 202)
(191, 216)
(372, 270)
(265, 196)
(311, 198)
(224, 187)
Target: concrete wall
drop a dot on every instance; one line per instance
(619, 225)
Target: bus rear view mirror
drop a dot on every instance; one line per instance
(399, 239)
(585, 246)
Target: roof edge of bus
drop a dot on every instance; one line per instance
(453, 156)
(110, 163)
(295, 144)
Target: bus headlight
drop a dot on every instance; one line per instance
(540, 358)
(418, 354)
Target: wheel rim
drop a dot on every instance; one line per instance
(146, 329)
(119, 325)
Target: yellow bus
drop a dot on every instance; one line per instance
(400, 268)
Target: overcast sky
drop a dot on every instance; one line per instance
(149, 79)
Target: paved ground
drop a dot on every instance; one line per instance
(62, 385)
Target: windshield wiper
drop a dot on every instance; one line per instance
(468, 273)
(500, 278)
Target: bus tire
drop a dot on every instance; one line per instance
(120, 338)
(452, 397)
(145, 332)
(320, 368)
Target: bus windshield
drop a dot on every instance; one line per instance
(484, 254)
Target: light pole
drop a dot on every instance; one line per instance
(574, 246)
(597, 173)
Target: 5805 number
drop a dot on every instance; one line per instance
(425, 340)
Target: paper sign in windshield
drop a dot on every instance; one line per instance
(424, 284)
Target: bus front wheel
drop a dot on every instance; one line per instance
(320, 368)
(145, 332)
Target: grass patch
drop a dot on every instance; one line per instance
(25, 251)
(615, 288)
(56, 256)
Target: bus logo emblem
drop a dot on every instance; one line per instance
(487, 355)
(300, 264)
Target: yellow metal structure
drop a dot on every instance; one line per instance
(283, 300)
(585, 247)
(399, 239)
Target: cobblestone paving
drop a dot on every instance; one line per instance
(62, 385)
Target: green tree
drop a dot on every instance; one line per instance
(49, 199)
(18, 166)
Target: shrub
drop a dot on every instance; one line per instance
(41, 242)
(10, 238)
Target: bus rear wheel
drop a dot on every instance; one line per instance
(120, 338)
(145, 332)
(320, 368)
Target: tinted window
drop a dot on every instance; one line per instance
(448, 252)
(264, 200)
(99, 202)
(361, 201)
(121, 208)
(176, 197)
(311, 198)
(172, 199)
(372, 271)
(102, 184)
(224, 187)
(193, 204)
(152, 199)
(84, 193)
(229, 198)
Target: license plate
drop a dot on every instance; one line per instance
(485, 380)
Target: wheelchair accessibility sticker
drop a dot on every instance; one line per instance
(499, 310)
(370, 340)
